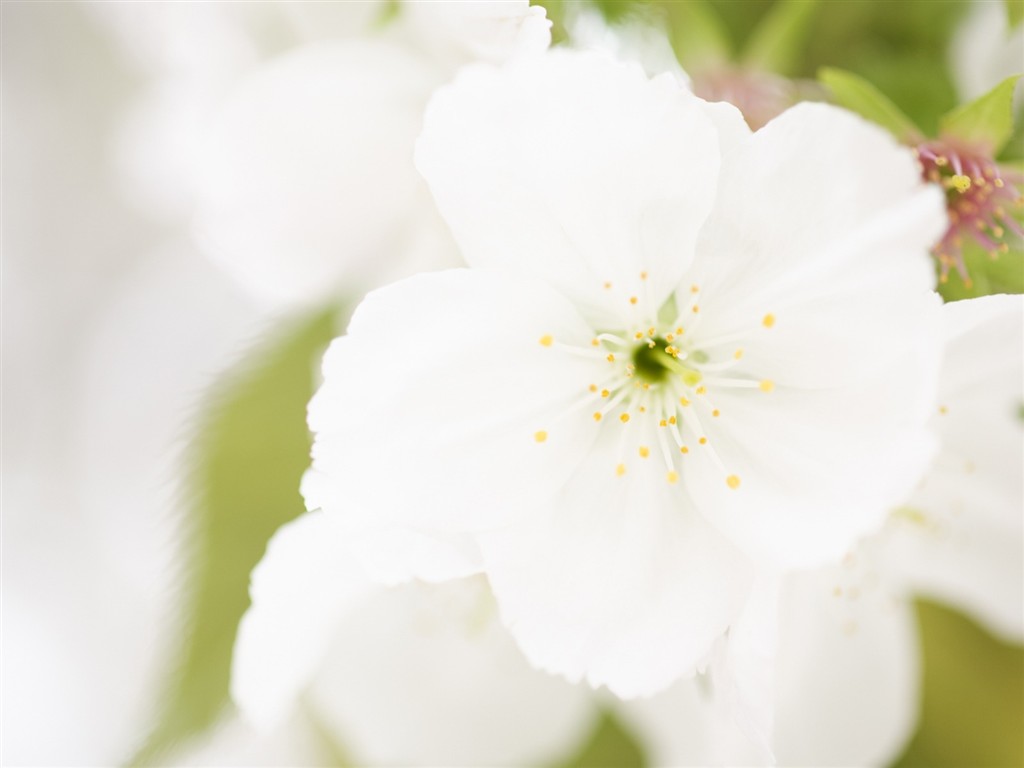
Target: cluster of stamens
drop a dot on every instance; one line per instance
(980, 200)
(660, 373)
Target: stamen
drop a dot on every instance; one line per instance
(546, 340)
(540, 436)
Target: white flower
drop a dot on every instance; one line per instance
(985, 51)
(417, 674)
(308, 187)
(681, 346)
(846, 674)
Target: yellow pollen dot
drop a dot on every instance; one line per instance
(943, 410)
(694, 288)
(638, 335)
(643, 275)
(679, 331)
(540, 436)
(633, 299)
(738, 354)
(607, 286)
(672, 478)
(716, 413)
(594, 342)
(597, 415)
(642, 409)
(941, 161)
(683, 401)
(695, 309)
(943, 278)
(610, 358)
(684, 449)
(624, 418)
(669, 337)
(644, 451)
(702, 390)
(546, 340)
(998, 231)
(650, 331)
(620, 470)
(768, 320)
(671, 419)
(733, 481)
(998, 183)
(703, 441)
(960, 183)
(663, 423)
(605, 393)
(767, 385)
(592, 387)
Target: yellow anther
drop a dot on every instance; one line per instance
(605, 393)
(547, 340)
(607, 286)
(672, 478)
(624, 418)
(645, 386)
(672, 420)
(540, 436)
(594, 342)
(684, 449)
(683, 401)
(638, 335)
(597, 415)
(768, 320)
(650, 331)
(694, 288)
(644, 451)
(695, 308)
(663, 423)
(943, 278)
(620, 470)
(642, 409)
(998, 183)
(766, 385)
(703, 441)
(643, 275)
(633, 299)
(733, 481)
(702, 390)
(941, 161)
(592, 387)
(669, 337)
(998, 231)
(610, 358)
(716, 413)
(943, 410)
(679, 331)
(960, 183)
(738, 354)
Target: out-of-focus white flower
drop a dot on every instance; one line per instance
(677, 347)
(632, 39)
(307, 186)
(985, 51)
(846, 673)
(413, 674)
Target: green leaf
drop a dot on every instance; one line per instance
(1014, 12)
(609, 746)
(972, 707)
(698, 35)
(778, 42)
(860, 96)
(249, 450)
(987, 121)
(1003, 274)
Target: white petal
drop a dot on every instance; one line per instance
(842, 267)
(576, 169)
(848, 668)
(456, 32)
(443, 382)
(308, 184)
(961, 538)
(616, 580)
(301, 591)
(390, 553)
(426, 675)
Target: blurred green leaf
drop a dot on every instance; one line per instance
(860, 96)
(1014, 12)
(972, 712)
(698, 36)
(609, 746)
(778, 42)
(987, 121)
(250, 449)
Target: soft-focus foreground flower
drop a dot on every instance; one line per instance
(846, 674)
(418, 674)
(307, 185)
(680, 348)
